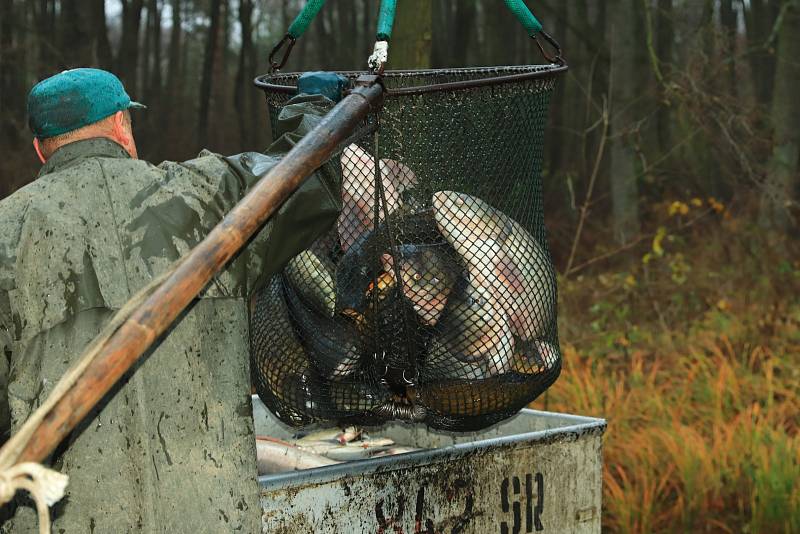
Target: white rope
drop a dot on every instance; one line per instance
(45, 486)
(379, 57)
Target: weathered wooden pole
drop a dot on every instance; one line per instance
(157, 313)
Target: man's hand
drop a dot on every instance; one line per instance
(327, 84)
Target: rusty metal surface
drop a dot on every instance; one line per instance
(537, 472)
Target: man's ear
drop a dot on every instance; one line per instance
(38, 150)
(122, 133)
(119, 128)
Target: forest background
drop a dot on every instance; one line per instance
(671, 185)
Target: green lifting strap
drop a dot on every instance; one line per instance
(524, 15)
(517, 7)
(300, 24)
(386, 19)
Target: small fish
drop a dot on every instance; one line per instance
(392, 451)
(326, 434)
(276, 456)
(350, 454)
(312, 278)
(348, 434)
(501, 257)
(371, 443)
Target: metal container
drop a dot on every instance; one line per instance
(536, 472)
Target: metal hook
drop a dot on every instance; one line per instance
(275, 66)
(557, 47)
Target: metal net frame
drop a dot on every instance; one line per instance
(433, 298)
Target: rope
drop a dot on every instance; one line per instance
(45, 485)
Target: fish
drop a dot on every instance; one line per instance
(277, 456)
(392, 451)
(474, 341)
(428, 274)
(312, 278)
(502, 258)
(333, 435)
(334, 346)
(284, 377)
(358, 192)
(359, 270)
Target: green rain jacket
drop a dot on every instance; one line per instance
(172, 448)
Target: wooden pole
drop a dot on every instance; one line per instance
(157, 313)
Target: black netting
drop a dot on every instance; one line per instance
(445, 310)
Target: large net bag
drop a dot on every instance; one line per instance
(433, 298)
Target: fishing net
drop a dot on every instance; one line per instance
(433, 298)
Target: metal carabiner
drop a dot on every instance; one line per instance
(275, 66)
(547, 37)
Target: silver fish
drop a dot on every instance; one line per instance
(501, 257)
(276, 456)
(312, 279)
(394, 451)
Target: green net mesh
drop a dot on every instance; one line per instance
(433, 299)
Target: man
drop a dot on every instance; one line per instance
(172, 448)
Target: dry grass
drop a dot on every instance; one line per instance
(697, 374)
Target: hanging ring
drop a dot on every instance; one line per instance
(553, 43)
(275, 66)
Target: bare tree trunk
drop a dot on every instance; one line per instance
(76, 37)
(411, 39)
(9, 65)
(729, 18)
(102, 45)
(758, 21)
(155, 75)
(778, 203)
(128, 56)
(665, 45)
(465, 26)
(624, 186)
(240, 102)
(368, 28)
(207, 82)
(555, 136)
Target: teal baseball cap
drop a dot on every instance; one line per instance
(73, 99)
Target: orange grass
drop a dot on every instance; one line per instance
(700, 389)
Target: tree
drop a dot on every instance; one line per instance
(779, 194)
(624, 183)
(128, 56)
(410, 47)
(206, 84)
